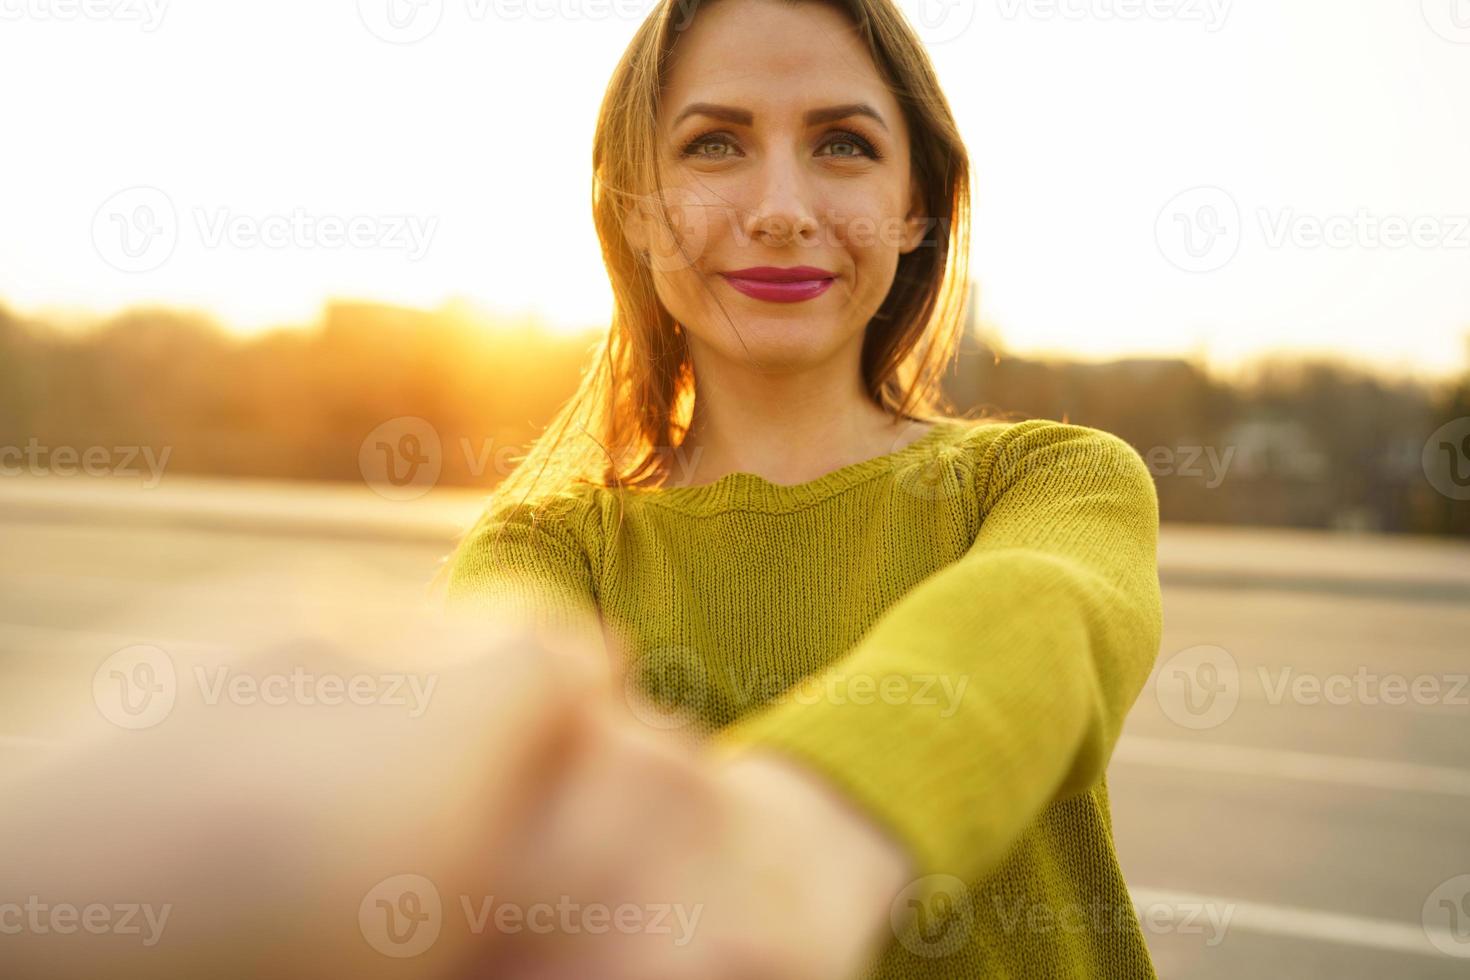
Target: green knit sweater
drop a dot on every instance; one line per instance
(951, 634)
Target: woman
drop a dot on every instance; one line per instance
(910, 639)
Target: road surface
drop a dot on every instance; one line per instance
(1291, 797)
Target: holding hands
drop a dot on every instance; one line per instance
(526, 826)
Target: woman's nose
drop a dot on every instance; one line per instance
(784, 213)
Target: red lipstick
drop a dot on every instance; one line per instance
(774, 285)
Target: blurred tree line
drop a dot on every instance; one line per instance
(1287, 442)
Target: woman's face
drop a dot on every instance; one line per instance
(781, 148)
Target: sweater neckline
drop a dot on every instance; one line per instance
(749, 491)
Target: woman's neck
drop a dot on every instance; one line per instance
(786, 431)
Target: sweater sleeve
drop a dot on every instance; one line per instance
(531, 564)
(1042, 633)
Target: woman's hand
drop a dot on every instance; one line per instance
(656, 863)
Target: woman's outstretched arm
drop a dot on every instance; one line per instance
(1036, 643)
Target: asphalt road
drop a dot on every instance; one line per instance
(1291, 797)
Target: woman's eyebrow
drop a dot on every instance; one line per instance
(743, 117)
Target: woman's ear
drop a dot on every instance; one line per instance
(635, 226)
(916, 224)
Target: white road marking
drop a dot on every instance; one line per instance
(25, 636)
(27, 742)
(1169, 753)
(1299, 923)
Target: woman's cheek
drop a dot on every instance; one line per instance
(873, 226)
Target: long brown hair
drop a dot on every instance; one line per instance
(633, 402)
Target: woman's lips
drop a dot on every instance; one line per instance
(798, 291)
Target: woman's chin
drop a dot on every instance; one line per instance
(789, 344)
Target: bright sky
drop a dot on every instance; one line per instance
(216, 155)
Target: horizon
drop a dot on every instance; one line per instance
(465, 309)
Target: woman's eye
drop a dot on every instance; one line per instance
(851, 146)
(700, 146)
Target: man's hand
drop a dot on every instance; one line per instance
(315, 837)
